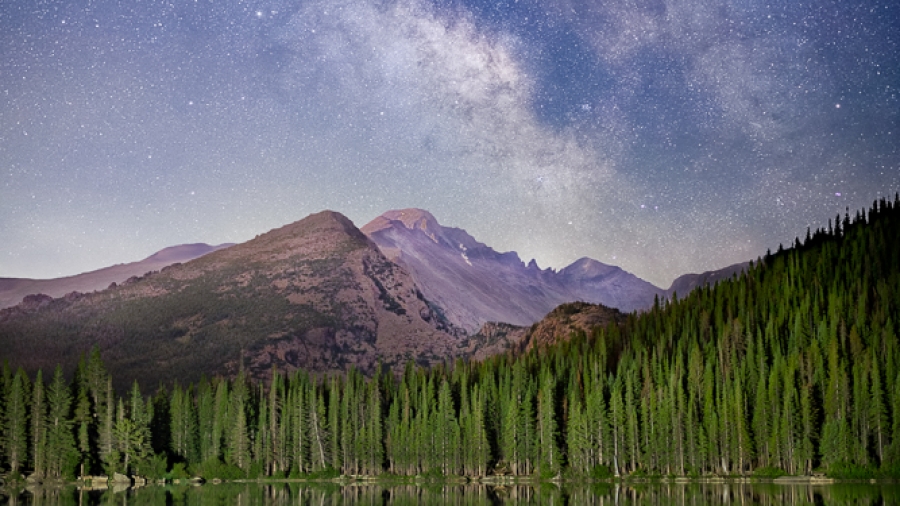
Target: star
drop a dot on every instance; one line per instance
(500, 118)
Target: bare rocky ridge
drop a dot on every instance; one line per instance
(12, 290)
(473, 284)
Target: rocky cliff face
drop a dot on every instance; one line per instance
(316, 294)
(473, 284)
(495, 338)
(470, 282)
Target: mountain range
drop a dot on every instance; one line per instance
(473, 284)
(318, 294)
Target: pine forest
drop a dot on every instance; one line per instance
(791, 368)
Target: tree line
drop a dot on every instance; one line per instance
(791, 367)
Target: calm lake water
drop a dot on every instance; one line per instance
(251, 494)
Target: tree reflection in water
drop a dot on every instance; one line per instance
(327, 494)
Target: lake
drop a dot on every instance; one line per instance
(276, 494)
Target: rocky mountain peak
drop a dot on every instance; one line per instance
(318, 235)
(413, 221)
(588, 268)
(403, 225)
(414, 218)
(324, 222)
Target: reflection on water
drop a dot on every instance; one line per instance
(252, 494)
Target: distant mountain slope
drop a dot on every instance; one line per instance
(595, 282)
(316, 294)
(473, 284)
(686, 283)
(12, 290)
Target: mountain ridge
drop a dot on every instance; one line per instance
(12, 290)
(474, 284)
(686, 283)
(585, 279)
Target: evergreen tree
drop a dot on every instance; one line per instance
(183, 430)
(446, 431)
(38, 430)
(129, 442)
(107, 438)
(511, 399)
(618, 424)
(83, 424)
(237, 450)
(277, 451)
(61, 453)
(476, 436)
(550, 458)
(578, 439)
(878, 410)
(300, 426)
(221, 417)
(596, 419)
(141, 415)
(15, 422)
(373, 449)
(319, 431)
(334, 407)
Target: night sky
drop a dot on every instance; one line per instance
(665, 137)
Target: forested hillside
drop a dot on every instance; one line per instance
(790, 368)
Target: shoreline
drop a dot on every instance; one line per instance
(487, 481)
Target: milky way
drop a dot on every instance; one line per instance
(661, 136)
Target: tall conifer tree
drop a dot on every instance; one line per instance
(15, 422)
(38, 430)
(61, 450)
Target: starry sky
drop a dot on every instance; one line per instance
(662, 136)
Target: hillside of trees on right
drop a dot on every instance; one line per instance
(791, 368)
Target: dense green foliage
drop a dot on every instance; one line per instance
(791, 367)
